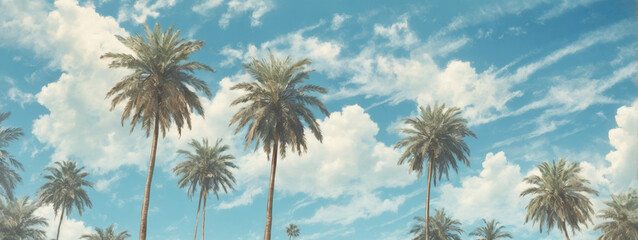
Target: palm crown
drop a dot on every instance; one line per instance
(442, 227)
(292, 230)
(17, 220)
(107, 234)
(622, 216)
(490, 231)
(8, 175)
(158, 89)
(558, 197)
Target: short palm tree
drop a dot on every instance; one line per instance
(436, 136)
(275, 110)
(557, 197)
(207, 167)
(159, 91)
(442, 227)
(106, 234)
(490, 231)
(292, 231)
(65, 188)
(17, 221)
(8, 175)
(622, 216)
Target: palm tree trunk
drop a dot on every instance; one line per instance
(60, 224)
(204, 214)
(273, 168)
(565, 230)
(427, 202)
(197, 216)
(149, 178)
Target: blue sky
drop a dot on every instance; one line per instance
(537, 80)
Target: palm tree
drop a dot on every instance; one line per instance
(443, 227)
(292, 231)
(158, 92)
(8, 176)
(207, 168)
(65, 188)
(18, 222)
(558, 197)
(622, 213)
(107, 234)
(276, 108)
(437, 135)
(491, 231)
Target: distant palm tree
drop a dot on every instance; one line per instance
(292, 231)
(65, 188)
(442, 227)
(276, 108)
(436, 135)
(207, 168)
(558, 198)
(107, 234)
(159, 91)
(8, 175)
(17, 221)
(491, 231)
(622, 216)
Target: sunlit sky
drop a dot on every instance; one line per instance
(537, 80)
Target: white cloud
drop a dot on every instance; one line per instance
(338, 19)
(20, 97)
(142, 9)
(362, 206)
(246, 198)
(487, 194)
(493, 11)
(71, 228)
(104, 183)
(399, 34)
(236, 7)
(563, 7)
(623, 169)
(606, 34)
(206, 5)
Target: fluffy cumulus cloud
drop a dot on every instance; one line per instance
(349, 163)
(20, 97)
(623, 169)
(257, 8)
(71, 228)
(399, 34)
(487, 194)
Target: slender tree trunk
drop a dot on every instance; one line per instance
(197, 216)
(60, 224)
(273, 168)
(427, 202)
(149, 178)
(204, 214)
(565, 230)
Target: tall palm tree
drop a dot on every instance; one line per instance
(292, 231)
(276, 108)
(158, 92)
(208, 168)
(8, 175)
(65, 188)
(622, 215)
(436, 135)
(18, 222)
(442, 227)
(491, 231)
(558, 198)
(106, 234)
